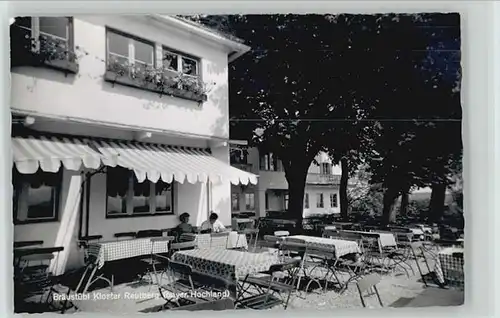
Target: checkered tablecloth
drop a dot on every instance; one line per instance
(448, 268)
(227, 264)
(234, 240)
(342, 247)
(116, 250)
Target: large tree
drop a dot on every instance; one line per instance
(315, 82)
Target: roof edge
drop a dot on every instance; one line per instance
(236, 48)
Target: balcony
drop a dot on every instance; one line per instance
(322, 179)
(242, 166)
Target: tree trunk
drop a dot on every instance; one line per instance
(403, 209)
(296, 179)
(436, 205)
(388, 215)
(344, 178)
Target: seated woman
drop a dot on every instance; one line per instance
(184, 227)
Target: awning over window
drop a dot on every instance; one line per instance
(48, 153)
(154, 161)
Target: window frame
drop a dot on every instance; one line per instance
(36, 32)
(129, 208)
(131, 49)
(306, 200)
(180, 56)
(247, 195)
(237, 200)
(333, 200)
(320, 201)
(326, 168)
(56, 204)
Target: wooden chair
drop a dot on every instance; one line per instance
(269, 286)
(281, 233)
(149, 233)
(369, 283)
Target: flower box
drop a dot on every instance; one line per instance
(164, 88)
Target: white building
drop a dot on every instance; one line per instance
(271, 193)
(97, 149)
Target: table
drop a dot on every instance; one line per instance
(449, 268)
(230, 265)
(123, 249)
(384, 239)
(234, 240)
(341, 247)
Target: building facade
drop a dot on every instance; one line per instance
(120, 123)
(270, 195)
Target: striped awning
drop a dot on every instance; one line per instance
(155, 161)
(48, 153)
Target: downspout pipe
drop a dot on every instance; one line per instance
(85, 190)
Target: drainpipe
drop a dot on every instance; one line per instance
(87, 204)
(80, 223)
(86, 185)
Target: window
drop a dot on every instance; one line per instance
(326, 168)
(127, 196)
(267, 201)
(238, 156)
(319, 202)
(36, 196)
(286, 198)
(235, 201)
(180, 63)
(250, 201)
(333, 200)
(55, 34)
(125, 50)
(306, 201)
(269, 162)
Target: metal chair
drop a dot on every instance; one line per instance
(369, 283)
(269, 286)
(152, 260)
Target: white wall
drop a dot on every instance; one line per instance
(221, 191)
(87, 96)
(313, 192)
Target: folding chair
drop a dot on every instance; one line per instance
(181, 246)
(216, 237)
(322, 257)
(415, 248)
(149, 233)
(269, 286)
(220, 304)
(152, 261)
(369, 283)
(394, 257)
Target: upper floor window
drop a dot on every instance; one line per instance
(306, 201)
(180, 63)
(238, 156)
(127, 197)
(326, 168)
(129, 51)
(49, 38)
(36, 196)
(333, 200)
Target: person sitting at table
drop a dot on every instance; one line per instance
(212, 224)
(184, 226)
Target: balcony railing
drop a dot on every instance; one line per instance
(242, 166)
(318, 178)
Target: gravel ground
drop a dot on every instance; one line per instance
(391, 288)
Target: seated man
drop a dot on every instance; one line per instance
(212, 224)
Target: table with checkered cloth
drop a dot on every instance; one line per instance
(449, 268)
(116, 250)
(227, 264)
(234, 240)
(342, 247)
